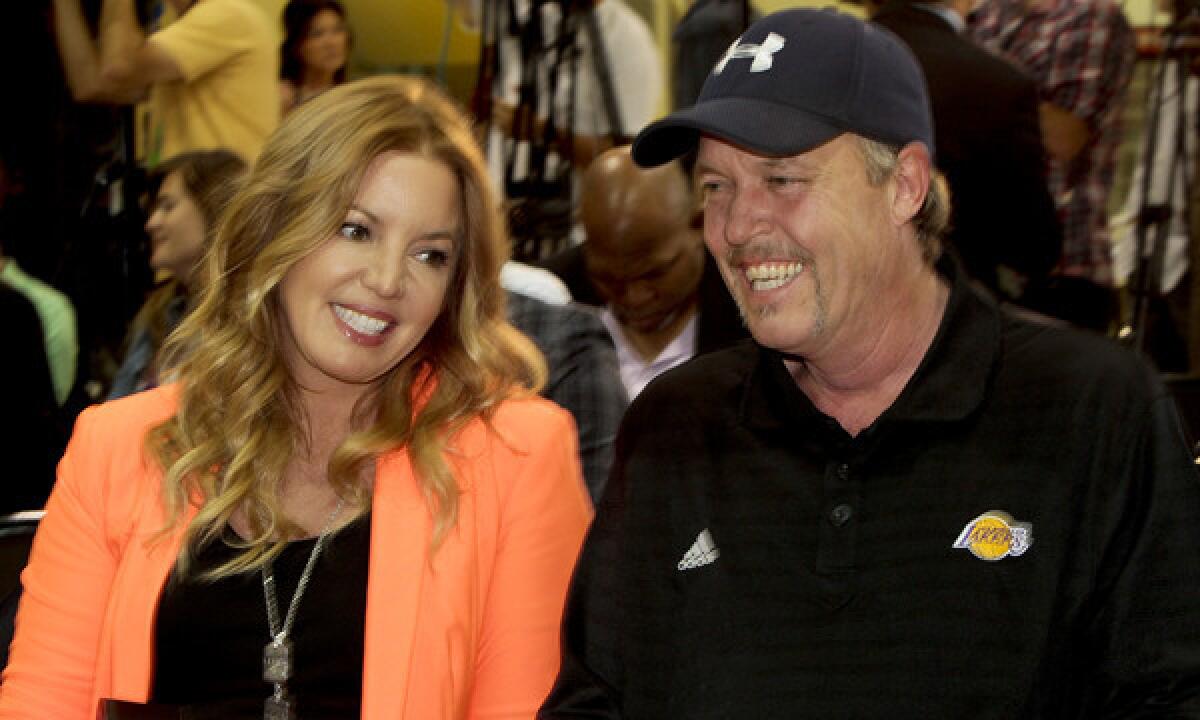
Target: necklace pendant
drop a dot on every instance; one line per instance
(277, 661)
(278, 707)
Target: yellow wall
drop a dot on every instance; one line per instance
(407, 32)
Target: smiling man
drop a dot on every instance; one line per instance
(899, 501)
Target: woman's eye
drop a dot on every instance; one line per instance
(354, 231)
(433, 257)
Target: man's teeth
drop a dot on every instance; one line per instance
(361, 323)
(772, 275)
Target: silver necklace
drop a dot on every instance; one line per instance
(277, 653)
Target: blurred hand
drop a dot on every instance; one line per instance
(502, 117)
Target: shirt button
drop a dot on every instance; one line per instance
(840, 515)
(843, 471)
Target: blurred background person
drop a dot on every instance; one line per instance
(55, 312)
(316, 48)
(699, 39)
(352, 473)
(1081, 54)
(212, 73)
(644, 261)
(187, 195)
(989, 146)
(583, 375)
(30, 441)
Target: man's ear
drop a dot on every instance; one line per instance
(910, 182)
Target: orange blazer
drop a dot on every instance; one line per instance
(469, 632)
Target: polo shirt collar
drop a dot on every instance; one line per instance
(949, 384)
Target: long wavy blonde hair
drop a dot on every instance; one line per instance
(239, 419)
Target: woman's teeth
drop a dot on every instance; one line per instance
(364, 324)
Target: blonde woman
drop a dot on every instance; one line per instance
(351, 502)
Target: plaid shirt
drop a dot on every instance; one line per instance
(583, 376)
(1081, 54)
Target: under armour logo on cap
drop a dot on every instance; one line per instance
(762, 53)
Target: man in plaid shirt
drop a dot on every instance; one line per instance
(1081, 54)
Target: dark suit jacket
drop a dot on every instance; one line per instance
(988, 146)
(718, 323)
(584, 376)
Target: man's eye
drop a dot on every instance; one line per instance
(433, 257)
(354, 231)
(783, 181)
(709, 191)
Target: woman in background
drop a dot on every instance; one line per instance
(351, 503)
(187, 194)
(316, 47)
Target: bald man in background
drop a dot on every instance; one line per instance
(664, 301)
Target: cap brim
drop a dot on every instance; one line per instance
(762, 127)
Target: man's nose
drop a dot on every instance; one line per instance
(746, 216)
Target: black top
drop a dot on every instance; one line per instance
(751, 559)
(989, 146)
(209, 637)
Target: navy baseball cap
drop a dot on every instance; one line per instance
(794, 80)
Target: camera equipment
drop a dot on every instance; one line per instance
(542, 39)
(1155, 211)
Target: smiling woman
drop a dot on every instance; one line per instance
(380, 282)
(351, 503)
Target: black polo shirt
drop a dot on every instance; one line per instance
(1016, 537)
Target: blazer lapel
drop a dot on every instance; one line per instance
(133, 607)
(400, 532)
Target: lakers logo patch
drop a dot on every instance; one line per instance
(994, 536)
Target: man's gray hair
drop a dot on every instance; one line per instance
(933, 219)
